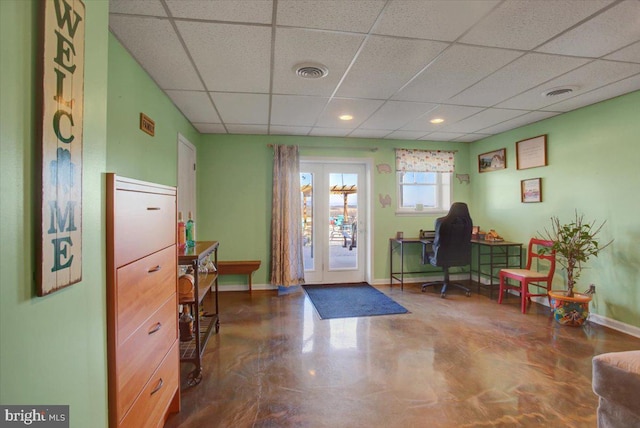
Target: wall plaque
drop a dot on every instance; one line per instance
(60, 132)
(147, 124)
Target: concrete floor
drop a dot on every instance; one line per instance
(454, 362)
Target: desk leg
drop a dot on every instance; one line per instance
(391, 264)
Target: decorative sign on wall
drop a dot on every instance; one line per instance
(61, 106)
(531, 153)
(147, 124)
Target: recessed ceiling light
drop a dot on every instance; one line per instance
(345, 117)
(437, 120)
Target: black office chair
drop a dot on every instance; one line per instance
(451, 245)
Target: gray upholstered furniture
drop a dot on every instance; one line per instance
(616, 380)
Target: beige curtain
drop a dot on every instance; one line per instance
(287, 268)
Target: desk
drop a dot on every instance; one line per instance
(399, 243)
(501, 254)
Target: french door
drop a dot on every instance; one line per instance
(334, 220)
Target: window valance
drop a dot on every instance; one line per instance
(415, 160)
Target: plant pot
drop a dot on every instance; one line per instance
(571, 311)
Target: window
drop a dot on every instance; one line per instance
(426, 192)
(423, 180)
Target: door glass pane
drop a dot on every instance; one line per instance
(306, 187)
(343, 217)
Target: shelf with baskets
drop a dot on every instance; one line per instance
(202, 259)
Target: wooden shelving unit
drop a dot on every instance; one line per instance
(205, 323)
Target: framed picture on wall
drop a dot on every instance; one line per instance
(492, 161)
(531, 190)
(531, 153)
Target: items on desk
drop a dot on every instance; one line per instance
(481, 235)
(399, 235)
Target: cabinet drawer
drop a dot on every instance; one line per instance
(144, 223)
(142, 287)
(153, 402)
(139, 356)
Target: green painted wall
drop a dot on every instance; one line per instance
(593, 158)
(52, 349)
(234, 193)
(131, 152)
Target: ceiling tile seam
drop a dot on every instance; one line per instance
(126, 48)
(579, 23)
(603, 57)
(544, 83)
(193, 63)
(585, 93)
(450, 45)
(348, 69)
(216, 21)
(506, 120)
(274, 14)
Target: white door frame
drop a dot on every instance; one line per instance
(364, 225)
(185, 210)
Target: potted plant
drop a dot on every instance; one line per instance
(574, 243)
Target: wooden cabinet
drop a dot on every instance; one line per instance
(142, 303)
(206, 284)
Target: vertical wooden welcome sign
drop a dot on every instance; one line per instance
(62, 105)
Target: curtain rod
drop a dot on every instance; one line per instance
(369, 149)
(431, 150)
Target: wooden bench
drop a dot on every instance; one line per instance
(239, 267)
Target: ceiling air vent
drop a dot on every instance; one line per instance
(311, 71)
(556, 92)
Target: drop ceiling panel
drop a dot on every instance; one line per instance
(371, 78)
(609, 31)
(155, 45)
(233, 58)
(359, 109)
(625, 86)
(527, 24)
(393, 64)
(469, 138)
(355, 16)
(525, 72)
(295, 110)
(289, 130)
(370, 133)
(434, 20)
(248, 129)
(586, 78)
(456, 69)
(630, 53)
(483, 119)
(223, 10)
(450, 114)
(405, 135)
(196, 106)
(395, 114)
(525, 119)
(139, 7)
(210, 128)
(442, 136)
(295, 46)
(250, 109)
(329, 132)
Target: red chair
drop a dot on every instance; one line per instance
(541, 277)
